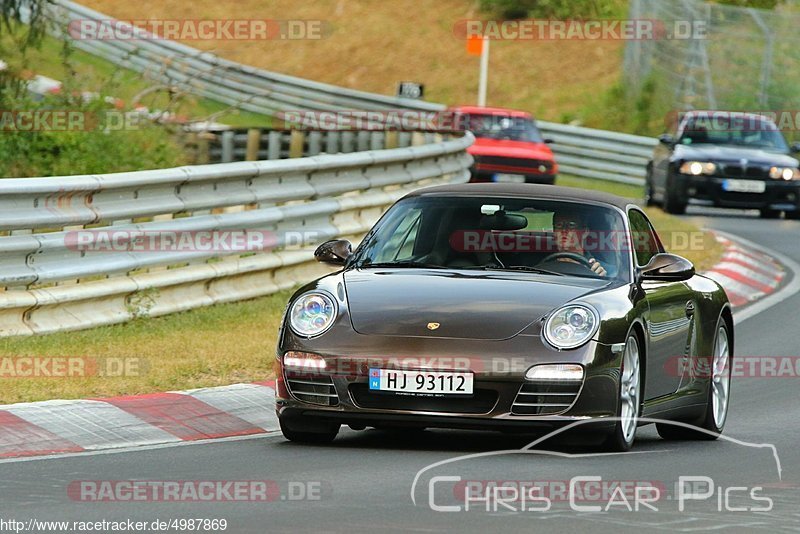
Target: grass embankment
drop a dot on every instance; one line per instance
(218, 345)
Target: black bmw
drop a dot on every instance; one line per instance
(725, 159)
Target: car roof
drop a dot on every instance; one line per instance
(478, 110)
(541, 191)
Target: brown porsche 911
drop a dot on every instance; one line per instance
(508, 307)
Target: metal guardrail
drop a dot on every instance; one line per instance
(222, 80)
(251, 144)
(592, 153)
(52, 284)
(600, 154)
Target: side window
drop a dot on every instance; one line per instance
(400, 246)
(643, 238)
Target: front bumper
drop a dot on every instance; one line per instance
(495, 403)
(778, 194)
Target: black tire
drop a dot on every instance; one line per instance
(311, 437)
(648, 187)
(708, 421)
(793, 215)
(674, 200)
(620, 439)
(769, 214)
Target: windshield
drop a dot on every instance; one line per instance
(552, 238)
(752, 132)
(504, 127)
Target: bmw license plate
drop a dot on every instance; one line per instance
(744, 186)
(515, 178)
(421, 382)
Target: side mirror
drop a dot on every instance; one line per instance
(334, 252)
(795, 147)
(548, 140)
(666, 139)
(667, 268)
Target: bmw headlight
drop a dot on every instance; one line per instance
(571, 326)
(786, 173)
(696, 168)
(312, 314)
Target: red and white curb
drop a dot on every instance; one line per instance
(72, 426)
(745, 274)
(69, 426)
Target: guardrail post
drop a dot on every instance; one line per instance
(253, 144)
(314, 143)
(376, 140)
(392, 140)
(296, 144)
(347, 141)
(203, 153)
(227, 146)
(403, 139)
(363, 141)
(332, 143)
(274, 144)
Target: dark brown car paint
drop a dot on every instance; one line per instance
(390, 329)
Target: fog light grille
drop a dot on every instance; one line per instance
(546, 397)
(313, 389)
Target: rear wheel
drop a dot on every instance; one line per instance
(323, 435)
(630, 395)
(795, 214)
(716, 412)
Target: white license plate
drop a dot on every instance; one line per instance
(744, 186)
(422, 382)
(517, 178)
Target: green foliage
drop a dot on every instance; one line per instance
(557, 9)
(98, 142)
(96, 139)
(758, 4)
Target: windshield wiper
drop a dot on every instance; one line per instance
(401, 264)
(520, 268)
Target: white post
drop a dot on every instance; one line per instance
(484, 72)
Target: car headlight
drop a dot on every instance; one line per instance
(571, 326)
(785, 173)
(696, 168)
(312, 314)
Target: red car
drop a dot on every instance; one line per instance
(508, 146)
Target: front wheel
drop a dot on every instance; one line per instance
(770, 214)
(648, 188)
(674, 200)
(712, 423)
(318, 436)
(630, 395)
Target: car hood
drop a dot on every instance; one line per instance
(484, 146)
(734, 153)
(466, 304)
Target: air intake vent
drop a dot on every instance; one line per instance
(313, 389)
(546, 397)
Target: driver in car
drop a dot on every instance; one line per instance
(570, 229)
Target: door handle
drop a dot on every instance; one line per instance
(689, 309)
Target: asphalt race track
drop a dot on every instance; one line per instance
(363, 482)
